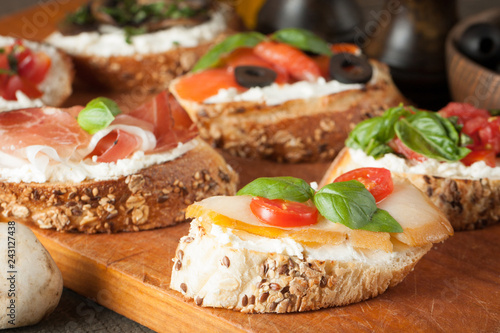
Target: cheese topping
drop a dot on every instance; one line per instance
(111, 41)
(87, 169)
(428, 167)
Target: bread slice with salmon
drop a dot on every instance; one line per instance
(95, 169)
(140, 46)
(451, 156)
(272, 255)
(263, 97)
(33, 74)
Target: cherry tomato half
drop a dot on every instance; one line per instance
(376, 180)
(283, 213)
(488, 156)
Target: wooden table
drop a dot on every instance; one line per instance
(456, 287)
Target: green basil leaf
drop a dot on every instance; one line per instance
(7, 71)
(302, 39)
(372, 135)
(244, 39)
(286, 188)
(382, 221)
(98, 114)
(431, 135)
(349, 203)
(12, 60)
(494, 112)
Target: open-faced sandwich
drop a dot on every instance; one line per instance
(280, 246)
(449, 155)
(32, 74)
(136, 44)
(95, 169)
(289, 96)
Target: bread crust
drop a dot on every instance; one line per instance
(467, 203)
(301, 130)
(155, 197)
(258, 282)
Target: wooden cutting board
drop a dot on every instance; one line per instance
(455, 287)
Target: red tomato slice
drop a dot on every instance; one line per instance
(296, 62)
(283, 213)
(34, 67)
(200, 86)
(345, 48)
(16, 83)
(114, 146)
(488, 156)
(245, 56)
(376, 180)
(400, 148)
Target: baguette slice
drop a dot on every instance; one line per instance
(300, 130)
(56, 86)
(468, 203)
(260, 270)
(155, 197)
(141, 72)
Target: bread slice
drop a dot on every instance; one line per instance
(250, 281)
(155, 197)
(231, 259)
(57, 85)
(468, 203)
(142, 72)
(299, 130)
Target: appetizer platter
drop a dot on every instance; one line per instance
(451, 288)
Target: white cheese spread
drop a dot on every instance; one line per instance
(111, 41)
(279, 93)
(428, 167)
(22, 102)
(87, 169)
(287, 246)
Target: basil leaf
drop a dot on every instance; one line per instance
(98, 114)
(382, 221)
(211, 58)
(431, 135)
(349, 203)
(372, 135)
(13, 63)
(494, 112)
(302, 39)
(286, 188)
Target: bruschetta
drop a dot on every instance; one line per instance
(95, 169)
(140, 45)
(32, 74)
(264, 97)
(279, 246)
(449, 155)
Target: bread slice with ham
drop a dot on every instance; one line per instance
(231, 259)
(55, 86)
(138, 173)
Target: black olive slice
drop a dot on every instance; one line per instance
(481, 43)
(254, 76)
(349, 68)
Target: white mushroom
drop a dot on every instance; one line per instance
(30, 282)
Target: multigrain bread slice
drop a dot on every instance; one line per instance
(216, 275)
(299, 130)
(468, 203)
(140, 71)
(56, 86)
(155, 197)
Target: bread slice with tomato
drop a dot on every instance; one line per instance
(140, 46)
(280, 246)
(32, 74)
(451, 156)
(264, 97)
(95, 169)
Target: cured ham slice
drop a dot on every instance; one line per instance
(42, 135)
(49, 127)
